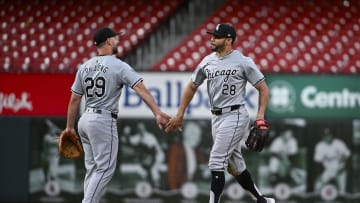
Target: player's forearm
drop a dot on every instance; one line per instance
(149, 100)
(73, 109)
(262, 107)
(263, 100)
(188, 94)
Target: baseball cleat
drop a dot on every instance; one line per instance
(266, 200)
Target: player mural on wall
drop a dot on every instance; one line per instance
(149, 152)
(187, 160)
(332, 154)
(142, 159)
(56, 175)
(282, 150)
(284, 172)
(50, 152)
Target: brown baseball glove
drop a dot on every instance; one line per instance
(258, 135)
(69, 145)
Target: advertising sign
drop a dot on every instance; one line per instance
(34, 94)
(304, 96)
(314, 96)
(167, 89)
(48, 95)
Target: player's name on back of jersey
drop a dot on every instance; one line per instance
(96, 68)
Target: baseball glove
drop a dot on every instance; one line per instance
(69, 145)
(259, 132)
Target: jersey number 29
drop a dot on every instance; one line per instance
(95, 86)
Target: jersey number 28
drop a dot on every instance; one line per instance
(229, 89)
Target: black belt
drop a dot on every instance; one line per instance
(219, 111)
(100, 111)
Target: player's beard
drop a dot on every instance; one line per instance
(218, 47)
(115, 50)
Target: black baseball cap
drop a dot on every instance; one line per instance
(102, 34)
(224, 30)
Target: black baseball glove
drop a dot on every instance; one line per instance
(259, 133)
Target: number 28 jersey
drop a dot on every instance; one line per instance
(101, 80)
(226, 77)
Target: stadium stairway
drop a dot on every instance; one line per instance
(170, 33)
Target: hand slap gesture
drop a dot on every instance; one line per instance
(162, 119)
(174, 123)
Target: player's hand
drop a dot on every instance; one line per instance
(174, 123)
(67, 130)
(70, 130)
(162, 119)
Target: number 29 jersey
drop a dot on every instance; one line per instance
(101, 80)
(227, 77)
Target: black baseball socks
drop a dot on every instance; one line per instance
(217, 185)
(245, 180)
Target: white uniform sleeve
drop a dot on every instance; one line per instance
(252, 73)
(129, 76)
(318, 155)
(343, 149)
(198, 75)
(77, 86)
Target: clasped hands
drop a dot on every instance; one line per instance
(170, 124)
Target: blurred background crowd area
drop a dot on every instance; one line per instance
(282, 36)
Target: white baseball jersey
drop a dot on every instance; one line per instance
(101, 79)
(332, 155)
(226, 77)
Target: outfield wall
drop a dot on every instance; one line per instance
(174, 167)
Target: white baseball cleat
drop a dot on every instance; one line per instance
(270, 200)
(266, 200)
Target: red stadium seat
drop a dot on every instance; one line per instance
(284, 36)
(281, 36)
(70, 25)
(5, 64)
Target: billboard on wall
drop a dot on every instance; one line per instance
(314, 96)
(34, 94)
(167, 90)
(305, 96)
(48, 95)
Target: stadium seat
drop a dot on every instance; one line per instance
(284, 36)
(40, 28)
(281, 36)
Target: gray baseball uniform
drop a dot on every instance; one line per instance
(100, 80)
(226, 80)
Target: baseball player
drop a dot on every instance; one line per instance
(227, 71)
(282, 150)
(100, 80)
(332, 153)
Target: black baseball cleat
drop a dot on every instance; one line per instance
(263, 199)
